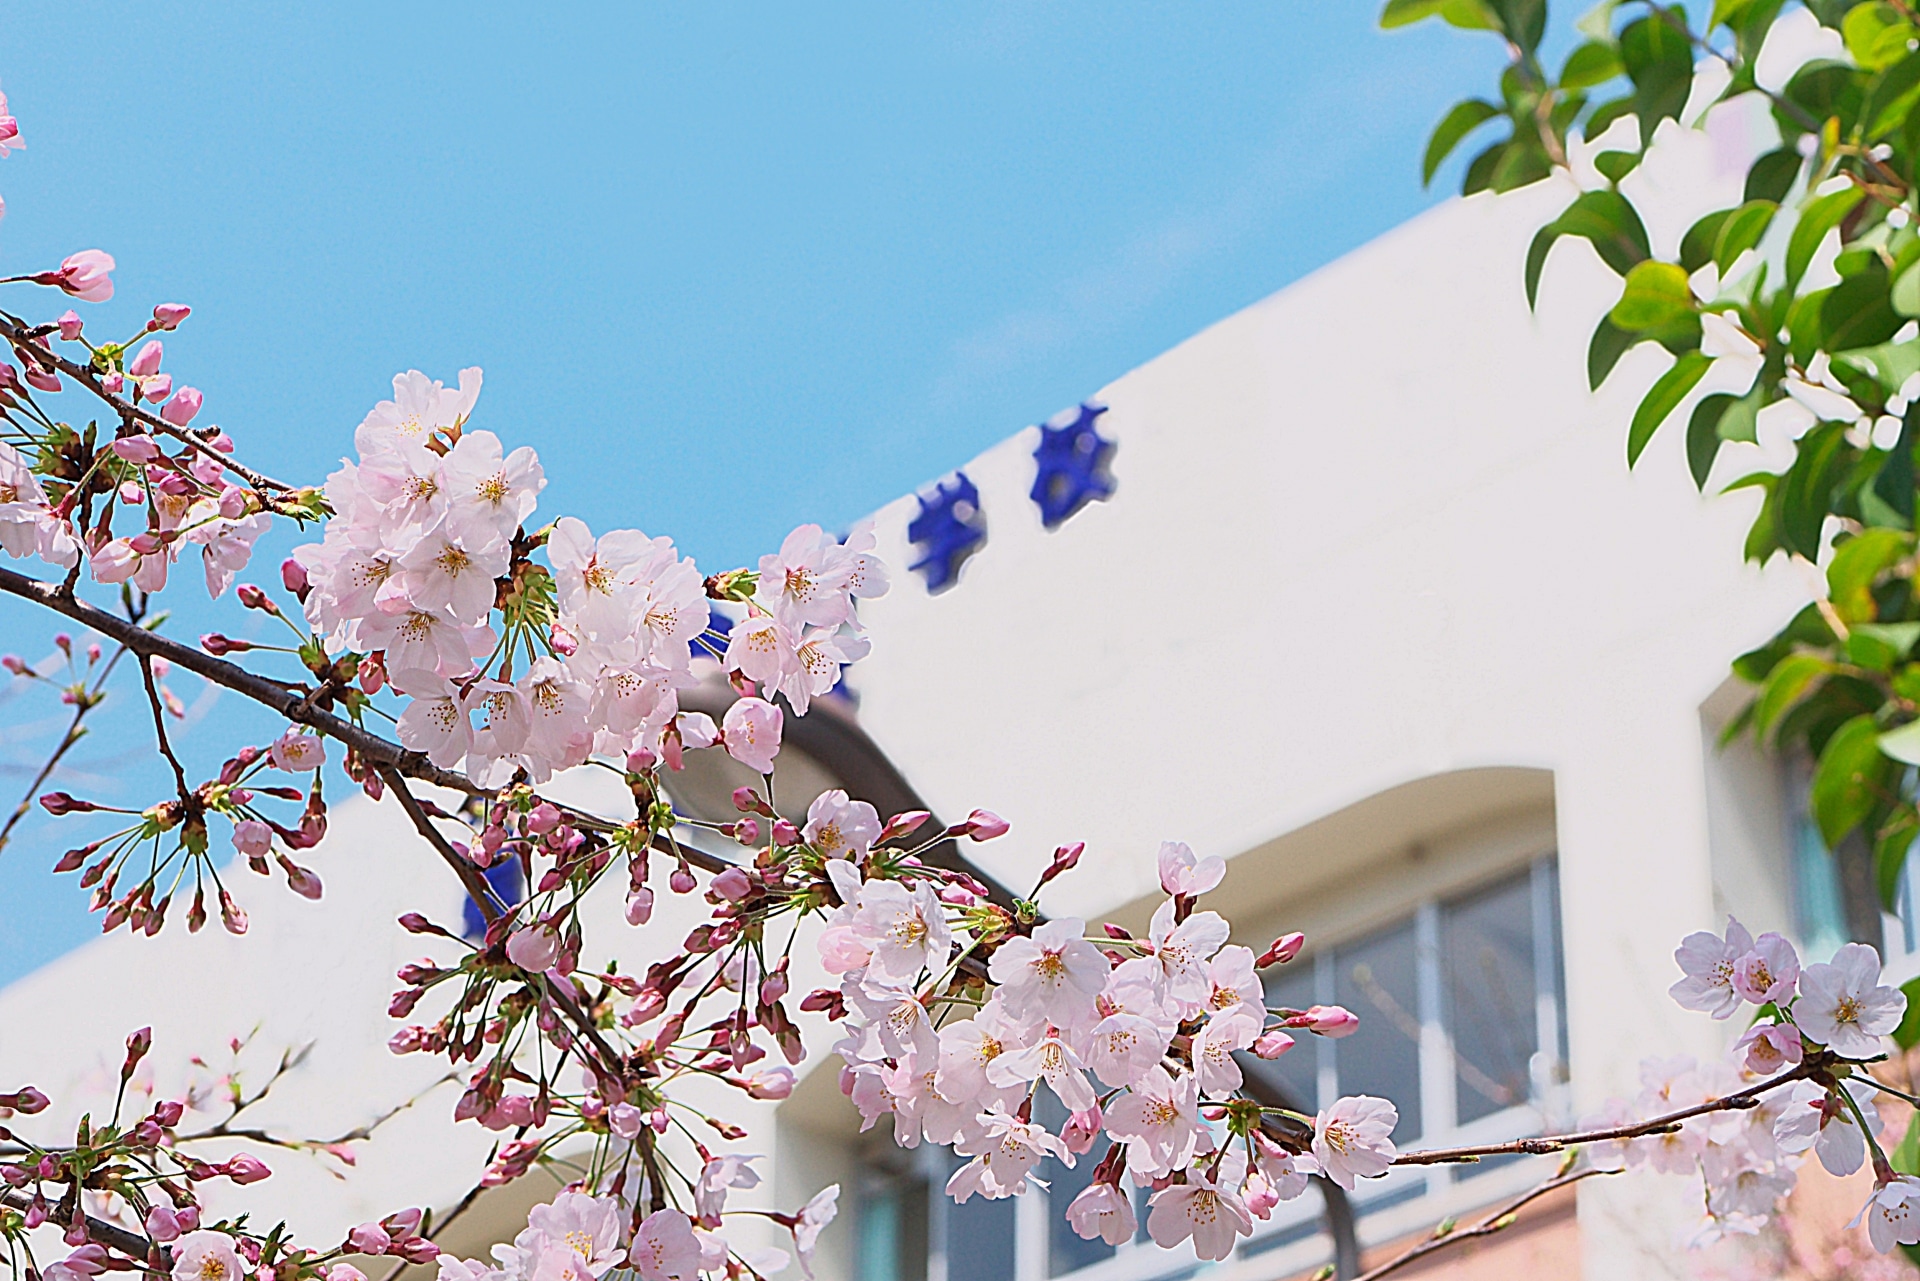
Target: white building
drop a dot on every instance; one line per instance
(1375, 610)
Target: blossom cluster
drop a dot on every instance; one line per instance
(1823, 1015)
(1136, 1039)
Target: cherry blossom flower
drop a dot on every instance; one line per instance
(1124, 1047)
(812, 579)
(814, 1216)
(297, 750)
(665, 1248)
(1769, 1047)
(586, 1225)
(1181, 951)
(1708, 961)
(1051, 975)
(1766, 973)
(903, 929)
(817, 663)
(751, 731)
(420, 406)
(207, 1255)
(534, 948)
(1213, 1050)
(1354, 1137)
(1181, 874)
(1892, 1214)
(969, 1047)
(443, 572)
(1159, 1121)
(1215, 1217)
(1049, 1059)
(841, 828)
(762, 649)
(1843, 1006)
(718, 1176)
(1007, 1153)
(1818, 1118)
(434, 721)
(490, 493)
(1102, 1211)
(85, 275)
(418, 638)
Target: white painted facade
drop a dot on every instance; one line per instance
(1376, 611)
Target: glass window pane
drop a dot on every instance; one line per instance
(980, 1239)
(1487, 975)
(1295, 1074)
(890, 1239)
(1375, 979)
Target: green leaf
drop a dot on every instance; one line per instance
(1609, 343)
(1906, 292)
(1696, 247)
(1742, 231)
(1741, 420)
(1456, 124)
(1890, 847)
(1806, 490)
(1479, 175)
(1786, 685)
(1662, 399)
(1703, 436)
(1771, 176)
(1616, 165)
(1822, 215)
(1891, 99)
(1523, 21)
(1658, 56)
(1907, 1035)
(1894, 485)
(1846, 782)
(1656, 295)
(1470, 15)
(1876, 35)
(1604, 115)
(1522, 163)
(1593, 63)
(1857, 312)
(1606, 220)
(1856, 564)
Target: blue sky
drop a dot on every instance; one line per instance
(729, 268)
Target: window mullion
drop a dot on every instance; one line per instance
(1437, 1102)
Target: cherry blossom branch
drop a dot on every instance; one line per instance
(1498, 1221)
(1546, 1145)
(21, 336)
(160, 730)
(470, 877)
(224, 1129)
(287, 700)
(128, 1243)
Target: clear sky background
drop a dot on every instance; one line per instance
(728, 267)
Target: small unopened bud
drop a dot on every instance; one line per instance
(293, 576)
(902, 823)
(246, 1169)
(1333, 1021)
(733, 885)
(253, 598)
(1272, 1045)
(220, 646)
(137, 1046)
(785, 833)
(58, 803)
(543, 819)
(162, 1224)
(168, 315)
(984, 825)
(747, 831)
(681, 882)
(1284, 949)
(70, 324)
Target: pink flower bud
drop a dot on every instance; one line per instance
(180, 410)
(1328, 1020)
(774, 988)
(640, 906)
(156, 388)
(785, 833)
(15, 664)
(293, 576)
(747, 831)
(681, 882)
(162, 1225)
(189, 1217)
(368, 1238)
(146, 362)
(902, 823)
(543, 819)
(246, 1169)
(1081, 1130)
(345, 1272)
(252, 838)
(1272, 1045)
(984, 825)
(732, 885)
(774, 1083)
(85, 275)
(169, 1112)
(220, 646)
(28, 1101)
(168, 315)
(626, 1120)
(534, 947)
(58, 803)
(137, 449)
(1284, 949)
(69, 323)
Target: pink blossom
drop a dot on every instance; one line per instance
(640, 906)
(1103, 1211)
(168, 315)
(1054, 974)
(247, 1169)
(1332, 1021)
(252, 838)
(206, 1256)
(1181, 874)
(1767, 973)
(1770, 1047)
(180, 410)
(1708, 961)
(1354, 1138)
(297, 751)
(665, 1249)
(369, 1238)
(534, 947)
(146, 361)
(774, 1083)
(751, 732)
(1213, 1216)
(86, 276)
(839, 827)
(1843, 1005)
(813, 1217)
(70, 324)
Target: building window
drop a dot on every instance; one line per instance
(1462, 1025)
(1461, 1019)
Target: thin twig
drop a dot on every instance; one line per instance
(470, 877)
(128, 1243)
(1497, 1221)
(288, 700)
(1546, 1145)
(160, 729)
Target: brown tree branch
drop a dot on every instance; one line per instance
(131, 1244)
(1498, 1221)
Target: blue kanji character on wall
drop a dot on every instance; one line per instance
(1072, 461)
(949, 528)
(504, 877)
